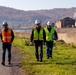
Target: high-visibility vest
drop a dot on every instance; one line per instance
(38, 36)
(7, 36)
(49, 35)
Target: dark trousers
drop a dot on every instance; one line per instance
(49, 47)
(39, 52)
(4, 47)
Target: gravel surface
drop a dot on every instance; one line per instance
(14, 68)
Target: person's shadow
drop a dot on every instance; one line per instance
(14, 65)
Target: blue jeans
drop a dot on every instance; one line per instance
(4, 47)
(39, 53)
(49, 47)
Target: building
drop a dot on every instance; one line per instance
(65, 23)
(75, 22)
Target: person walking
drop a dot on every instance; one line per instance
(7, 37)
(38, 36)
(51, 35)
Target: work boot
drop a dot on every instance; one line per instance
(9, 63)
(37, 59)
(47, 57)
(50, 56)
(40, 60)
(3, 63)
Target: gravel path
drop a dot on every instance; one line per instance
(14, 68)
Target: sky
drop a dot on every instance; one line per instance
(37, 4)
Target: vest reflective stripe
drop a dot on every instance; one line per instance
(6, 36)
(49, 35)
(38, 36)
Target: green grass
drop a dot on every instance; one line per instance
(62, 63)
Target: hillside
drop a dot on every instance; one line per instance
(25, 18)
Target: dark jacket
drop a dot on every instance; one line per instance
(32, 36)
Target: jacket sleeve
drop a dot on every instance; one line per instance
(12, 36)
(1, 36)
(56, 36)
(31, 37)
(44, 35)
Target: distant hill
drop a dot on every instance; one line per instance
(26, 18)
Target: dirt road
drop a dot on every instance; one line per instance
(14, 68)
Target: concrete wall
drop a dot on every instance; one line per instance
(22, 34)
(66, 34)
(62, 37)
(68, 38)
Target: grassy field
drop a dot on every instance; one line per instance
(62, 63)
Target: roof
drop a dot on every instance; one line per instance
(67, 18)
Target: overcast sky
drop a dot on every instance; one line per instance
(38, 4)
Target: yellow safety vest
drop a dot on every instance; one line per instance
(49, 35)
(38, 36)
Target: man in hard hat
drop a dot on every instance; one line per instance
(7, 37)
(51, 35)
(38, 36)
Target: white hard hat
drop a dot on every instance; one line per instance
(37, 22)
(5, 23)
(49, 23)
